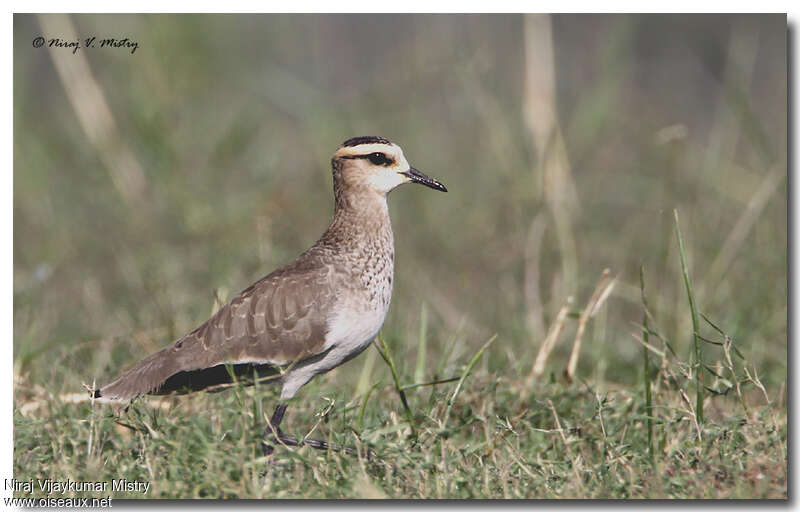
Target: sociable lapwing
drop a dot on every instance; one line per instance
(309, 316)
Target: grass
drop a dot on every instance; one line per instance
(489, 435)
(698, 351)
(213, 170)
(503, 440)
(647, 380)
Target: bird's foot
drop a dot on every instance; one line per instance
(290, 440)
(279, 437)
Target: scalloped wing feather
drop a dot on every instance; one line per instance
(282, 318)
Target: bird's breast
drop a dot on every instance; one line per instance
(363, 299)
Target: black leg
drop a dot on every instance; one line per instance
(275, 423)
(277, 416)
(290, 440)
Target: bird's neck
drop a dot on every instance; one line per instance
(361, 218)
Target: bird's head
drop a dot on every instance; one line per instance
(376, 164)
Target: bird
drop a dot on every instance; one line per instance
(308, 316)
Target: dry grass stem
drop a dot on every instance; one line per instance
(744, 225)
(549, 342)
(601, 292)
(94, 115)
(533, 300)
(690, 410)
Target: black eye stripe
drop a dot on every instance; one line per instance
(376, 158)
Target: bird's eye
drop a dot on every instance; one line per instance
(378, 159)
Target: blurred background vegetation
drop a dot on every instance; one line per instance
(146, 185)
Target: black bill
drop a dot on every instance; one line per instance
(418, 177)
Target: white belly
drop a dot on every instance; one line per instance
(351, 331)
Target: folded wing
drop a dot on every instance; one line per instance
(279, 320)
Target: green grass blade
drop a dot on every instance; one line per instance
(464, 376)
(363, 408)
(430, 383)
(383, 350)
(698, 352)
(647, 391)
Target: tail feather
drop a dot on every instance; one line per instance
(145, 377)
